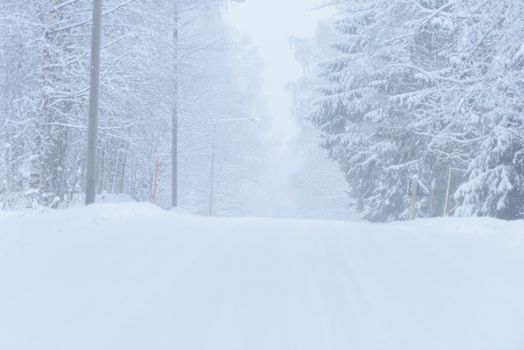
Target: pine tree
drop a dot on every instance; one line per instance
(495, 56)
(378, 104)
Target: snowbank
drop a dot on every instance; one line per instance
(131, 276)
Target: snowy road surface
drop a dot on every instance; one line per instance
(130, 276)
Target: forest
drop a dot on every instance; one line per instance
(418, 102)
(424, 97)
(159, 58)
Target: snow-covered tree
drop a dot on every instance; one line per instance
(417, 87)
(494, 57)
(45, 86)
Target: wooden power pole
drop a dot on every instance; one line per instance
(94, 92)
(414, 188)
(448, 189)
(174, 148)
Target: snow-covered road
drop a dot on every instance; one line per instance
(130, 276)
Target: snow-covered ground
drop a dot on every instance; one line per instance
(131, 276)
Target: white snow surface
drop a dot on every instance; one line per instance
(131, 276)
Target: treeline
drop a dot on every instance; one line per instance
(44, 87)
(431, 90)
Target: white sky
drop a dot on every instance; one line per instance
(269, 24)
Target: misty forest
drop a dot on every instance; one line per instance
(261, 174)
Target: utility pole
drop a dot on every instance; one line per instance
(212, 171)
(94, 92)
(447, 193)
(174, 141)
(414, 188)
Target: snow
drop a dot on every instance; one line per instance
(519, 54)
(131, 276)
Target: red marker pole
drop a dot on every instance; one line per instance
(155, 184)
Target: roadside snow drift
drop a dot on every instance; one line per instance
(131, 276)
